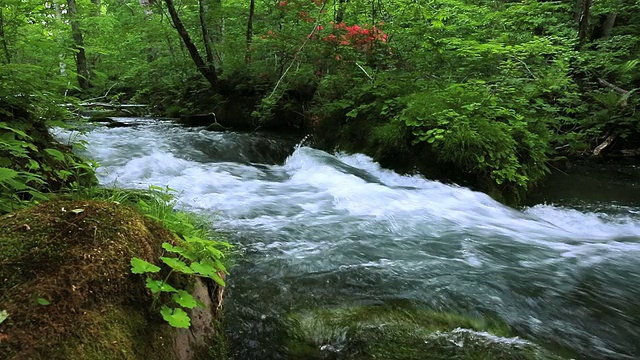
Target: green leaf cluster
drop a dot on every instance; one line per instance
(197, 252)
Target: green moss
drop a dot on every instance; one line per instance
(384, 332)
(109, 335)
(75, 255)
(218, 349)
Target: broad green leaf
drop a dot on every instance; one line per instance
(17, 184)
(157, 286)
(218, 279)
(177, 264)
(139, 266)
(220, 266)
(6, 174)
(37, 195)
(179, 250)
(33, 165)
(4, 125)
(204, 268)
(57, 154)
(43, 301)
(213, 252)
(184, 299)
(77, 211)
(3, 316)
(175, 317)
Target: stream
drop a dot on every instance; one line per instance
(319, 230)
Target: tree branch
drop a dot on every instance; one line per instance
(295, 57)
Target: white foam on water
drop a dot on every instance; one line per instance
(313, 185)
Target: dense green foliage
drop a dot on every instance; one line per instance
(491, 91)
(31, 162)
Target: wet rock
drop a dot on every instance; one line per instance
(109, 122)
(197, 119)
(216, 127)
(385, 332)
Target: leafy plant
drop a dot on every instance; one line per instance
(17, 186)
(197, 253)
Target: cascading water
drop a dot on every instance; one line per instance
(319, 230)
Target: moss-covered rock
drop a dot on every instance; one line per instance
(384, 332)
(67, 287)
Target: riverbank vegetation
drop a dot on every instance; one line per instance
(68, 290)
(71, 252)
(482, 93)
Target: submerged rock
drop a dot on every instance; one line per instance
(109, 122)
(68, 291)
(381, 332)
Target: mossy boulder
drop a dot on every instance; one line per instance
(390, 332)
(67, 287)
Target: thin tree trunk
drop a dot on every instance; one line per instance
(217, 23)
(207, 70)
(252, 8)
(7, 55)
(61, 64)
(608, 24)
(340, 13)
(98, 5)
(583, 21)
(374, 12)
(81, 57)
(206, 38)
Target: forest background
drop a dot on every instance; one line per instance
(488, 94)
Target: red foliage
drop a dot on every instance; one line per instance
(362, 38)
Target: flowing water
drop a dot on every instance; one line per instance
(318, 229)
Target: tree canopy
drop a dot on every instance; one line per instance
(492, 91)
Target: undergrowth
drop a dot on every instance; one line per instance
(197, 252)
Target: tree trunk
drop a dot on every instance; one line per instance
(98, 6)
(207, 70)
(61, 64)
(206, 38)
(7, 55)
(340, 13)
(252, 8)
(583, 14)
(81, 57)
(608, 24)
(217, 22)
